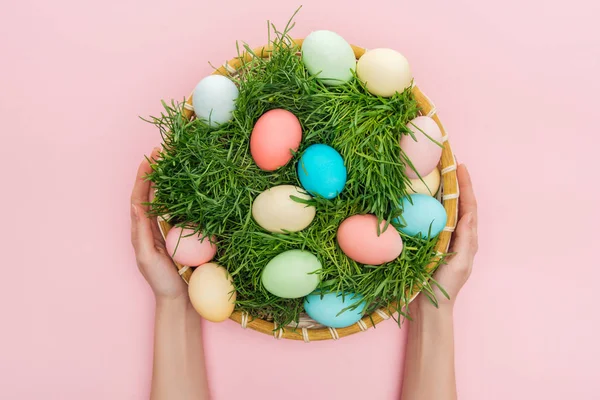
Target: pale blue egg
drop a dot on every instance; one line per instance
(325, 309)
(423, 214)
(321, 171)
(214, 99)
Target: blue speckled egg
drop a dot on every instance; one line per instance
(321, 171)
(424, 212)
(325, 309)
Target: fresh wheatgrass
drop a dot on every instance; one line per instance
(206, 178)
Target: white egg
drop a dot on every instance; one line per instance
(429, 185)
(214, 99)
(276, 211)
(327, 55)
(384, 72)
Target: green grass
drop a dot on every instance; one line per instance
(206, 177)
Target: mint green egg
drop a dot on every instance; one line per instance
(292, 274)
(327, 54)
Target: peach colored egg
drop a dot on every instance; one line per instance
(189, 248)
(357, 237)
(423, 153)
(211, 292)
(276, 134)
(429, 185)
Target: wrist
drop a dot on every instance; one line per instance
(422, 307)
(173, 304)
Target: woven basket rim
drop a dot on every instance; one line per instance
(449, 191)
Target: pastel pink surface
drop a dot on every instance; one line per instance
(275, 135)
(515, 84)
(358, 239)
(423, 153)
(189, 248)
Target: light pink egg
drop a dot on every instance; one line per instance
(275, 135)
(357, 237)
(189, 250)
(422, 152)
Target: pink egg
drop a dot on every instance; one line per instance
(423, 153)
(275, 135)
(357, 237)
(189, 250)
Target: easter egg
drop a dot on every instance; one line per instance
(327, 55)
(429, 185)
(357, 237)
(384, 72)
(424, 212)
(275, 211)
(325, 309)
(424, 154)
(292, 274)
(211, 292)
(276, 134)
(214, 99)
(321, 171)
(189, 248)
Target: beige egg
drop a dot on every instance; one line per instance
(211, 292)
(384, 72)
(429, 185)
(276, 212)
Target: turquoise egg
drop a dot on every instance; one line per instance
(321, 171)
(424, 213)
(325, 309)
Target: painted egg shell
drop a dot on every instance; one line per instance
(189, 248)
(211, 292)
(292, 274)
(321, 171)
(424, 212)
(423, 153)
(327, 54)
(429, 185)
(384, 72)
(276, 211)
(325, 309)
(357, 237)
(214, 99)
(275, 135)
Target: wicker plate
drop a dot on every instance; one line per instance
(308, 330)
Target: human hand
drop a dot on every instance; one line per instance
(152, 257)
(453, 275)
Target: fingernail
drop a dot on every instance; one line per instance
(134, 211)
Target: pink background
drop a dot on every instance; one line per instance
(516, 84)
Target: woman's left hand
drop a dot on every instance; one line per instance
(152, 257)
(454, 274)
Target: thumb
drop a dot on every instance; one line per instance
(464, 244)
(141, 231)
